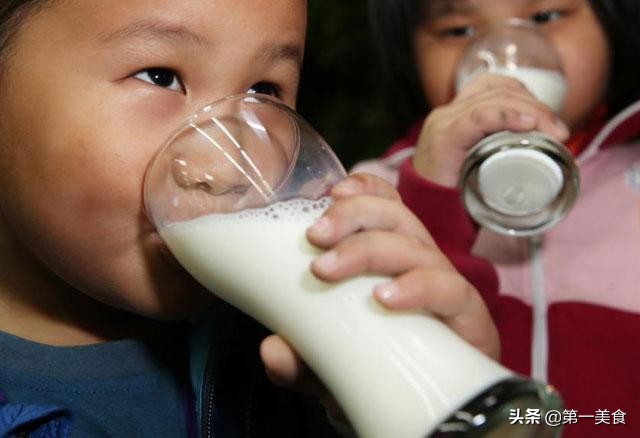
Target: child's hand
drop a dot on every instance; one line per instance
(488, 104)
(369, 230)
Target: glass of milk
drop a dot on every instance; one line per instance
(232, 193)
(518, 183)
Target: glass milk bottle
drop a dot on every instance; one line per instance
(232, 194)
(518, 183)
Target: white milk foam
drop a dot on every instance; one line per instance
(395, 374)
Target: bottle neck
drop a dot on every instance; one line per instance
(500, 412)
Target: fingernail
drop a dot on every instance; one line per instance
(387, 292)
(326, 261)
(322, 227)
(349, 186)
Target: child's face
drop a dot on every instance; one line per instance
(82, 115)
(570, 24)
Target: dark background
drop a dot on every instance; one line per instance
(341, 94)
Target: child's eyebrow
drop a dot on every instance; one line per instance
(438, 8)
(151, 30)
(179, 35)
(284, 52)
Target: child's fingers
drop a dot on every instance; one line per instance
(424, 279)
(487, 82)
(441, 291)
(448, 296)
(285, 368)
(466, 122)
(364, 184)
(484, 121)
(525, 104)
(282, 365)
(358, 213)
(449, 132)
(488, 104)
(376, 252)
(485, 118)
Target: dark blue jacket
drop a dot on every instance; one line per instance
(233, 396)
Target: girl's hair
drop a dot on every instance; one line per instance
(620, 20)
(12, 13)
(395, 23)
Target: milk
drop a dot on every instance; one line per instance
(394, 374)
(548, 86)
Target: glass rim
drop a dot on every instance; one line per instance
(190, 120)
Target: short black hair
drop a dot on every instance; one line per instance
(395, 23)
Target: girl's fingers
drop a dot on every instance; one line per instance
(502, 90)
(525, 105)
(364, 184)
(376, 252)
(488, 82)
(448, 296)
(447, 137)
(507, 91)
(362, 213)
(485, 107)
(484, 121)
(450, 132)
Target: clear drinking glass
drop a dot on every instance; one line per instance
(232, 193)
(518, 183)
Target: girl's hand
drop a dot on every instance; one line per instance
(369, 230)
(488, 104)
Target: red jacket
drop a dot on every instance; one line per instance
(567, 307)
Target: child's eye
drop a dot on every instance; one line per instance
(458, 32)
(162, 77)
(544, 17)
(265, 88)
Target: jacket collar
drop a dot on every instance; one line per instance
(622, 128)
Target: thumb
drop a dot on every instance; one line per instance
(285, 368)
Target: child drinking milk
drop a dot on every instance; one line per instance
(90, 303)
(566, 303)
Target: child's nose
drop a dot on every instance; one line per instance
(210, 158)
(227, 160)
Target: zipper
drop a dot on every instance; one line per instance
(208, 427)
(208, 398)
(540, 342)
(248, 423)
